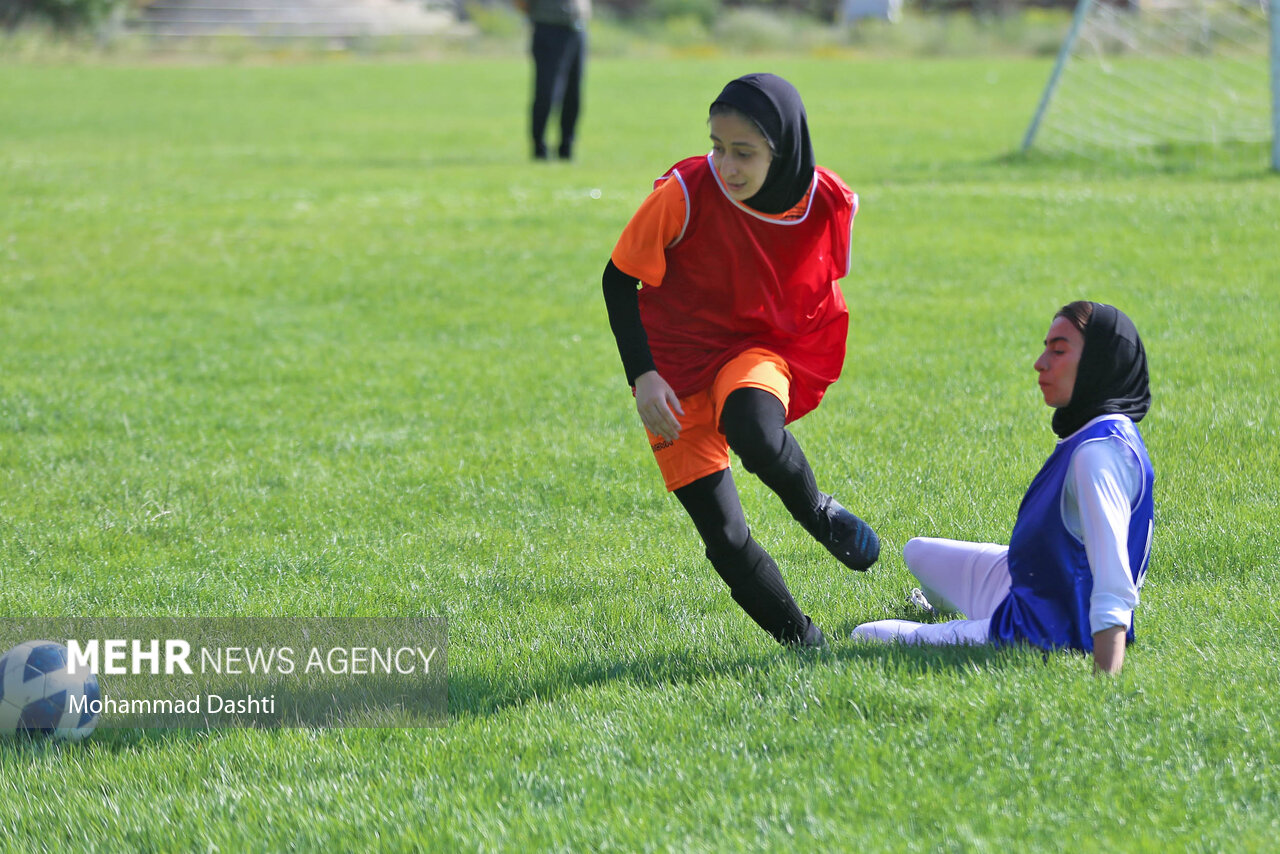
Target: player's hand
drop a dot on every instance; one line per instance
(655, 401)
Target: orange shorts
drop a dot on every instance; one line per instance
(701, 449)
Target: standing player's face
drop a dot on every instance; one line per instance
(740, 154)
(1058, 363)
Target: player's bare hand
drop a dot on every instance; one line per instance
(658, 406)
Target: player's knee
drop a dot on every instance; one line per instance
(734, 559)
(753, 423)
(758, 445)
(753, 447)
(911, 551)
(921, 554)
(725, 542)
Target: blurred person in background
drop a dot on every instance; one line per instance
(559, 56)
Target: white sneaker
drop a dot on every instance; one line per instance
(916, 597)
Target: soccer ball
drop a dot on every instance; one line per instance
(36, 693)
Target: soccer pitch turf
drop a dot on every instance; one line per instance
(318, 339)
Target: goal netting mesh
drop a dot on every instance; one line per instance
(1161, 73)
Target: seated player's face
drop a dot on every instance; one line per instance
(1058, 363)
(740, 154)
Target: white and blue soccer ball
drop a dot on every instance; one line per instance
(38, 697)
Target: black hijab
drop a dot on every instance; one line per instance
(775, 105)
(1112, 375)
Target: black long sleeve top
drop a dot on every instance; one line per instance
(622, 301)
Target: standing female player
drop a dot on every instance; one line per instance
(1070, 576)
(737, 329)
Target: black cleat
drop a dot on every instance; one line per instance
(813, 638)
(846, 536)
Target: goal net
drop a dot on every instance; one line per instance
(1139, 76)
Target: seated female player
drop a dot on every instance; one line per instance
(1070, 576)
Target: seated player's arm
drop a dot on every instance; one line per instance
(1106, 482)
(1108, 650)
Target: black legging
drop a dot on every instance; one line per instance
(753, 422)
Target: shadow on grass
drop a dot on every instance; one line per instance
(475, 695)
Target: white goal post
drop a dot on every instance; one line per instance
(1140, 74)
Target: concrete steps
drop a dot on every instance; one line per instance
(292, 19)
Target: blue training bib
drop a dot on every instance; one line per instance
(1050, 579)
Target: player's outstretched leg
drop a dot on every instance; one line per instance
(753, 577)
(753, 422)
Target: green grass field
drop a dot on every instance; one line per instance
(318, 339)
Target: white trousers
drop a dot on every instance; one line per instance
(972, 578)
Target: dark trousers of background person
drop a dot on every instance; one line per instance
(559, 53)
